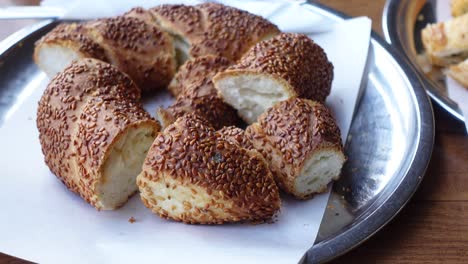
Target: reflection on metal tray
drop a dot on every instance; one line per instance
(402, 23)
(389, 145)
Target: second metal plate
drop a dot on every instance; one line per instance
(402, 23)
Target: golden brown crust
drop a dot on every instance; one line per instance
(197, 71)
(460, 73)
(459, 7)
(289, 133)
(446, 42)
(196, 94)
(209, 107)
(191, 153)
(179, 19)
(82, 113)
(294, 58)
(215, 29)
(73, 36)
(142, 14)
(138, 48)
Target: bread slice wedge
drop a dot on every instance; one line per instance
(288, 65)
(195, 175)
(196, 94)
(212, 29)
(301, 142)
(64, 44)
(132, 43)
(94, 133)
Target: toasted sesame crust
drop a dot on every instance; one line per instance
(82, 113)
(294, 58)
(210, 107)
(197, 71)
(196, 94)
(138, 48)
(73, 36)
(289, 133)
(215, 29)
(237, 136)
(192, 154)
(142, 14)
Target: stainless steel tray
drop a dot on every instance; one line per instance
(402, 23)
(389, 145)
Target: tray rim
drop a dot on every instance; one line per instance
(362, 230)
(390, 31)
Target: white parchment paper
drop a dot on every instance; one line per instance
(456, 91)
(44, 222)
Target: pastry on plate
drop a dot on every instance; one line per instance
(459, 72)
(94, 133)
(197, 71)
(140, 49)
(459, 7)
(65, 43)
(446, 42)
(195, 175)
(196, 94)
(301, 142)
(288, 65)
(212, 29)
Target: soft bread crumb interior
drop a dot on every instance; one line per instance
(251, 94)
(178, 199)
(123, 165)
(52, 59)
(182, 49)
(321, 169)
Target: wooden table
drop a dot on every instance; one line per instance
(433, 227)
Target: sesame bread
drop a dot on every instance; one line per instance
(301, 142)
(446, 42)
(194, 175)
(138, 48)
(288, 65)
(212, 28)
(210, 107)
(197, 71)
(94, 133)
(459, 72)
(131, 43)
(65, 43)
(237, 136)
(196, 94)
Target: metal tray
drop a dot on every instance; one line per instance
(389, 145)
(402, 23)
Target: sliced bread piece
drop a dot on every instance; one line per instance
(301, 142)
(289, 65)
